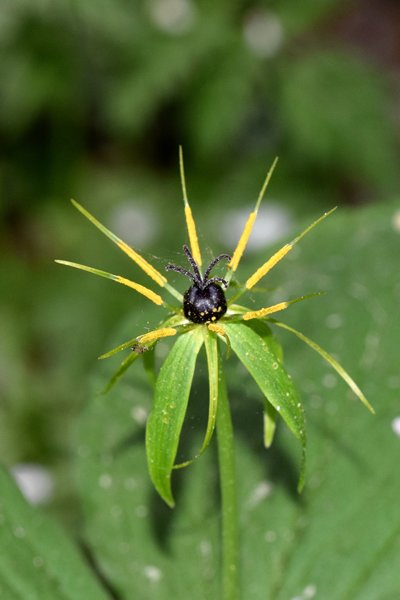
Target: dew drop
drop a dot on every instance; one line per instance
(139, 414)
(270, 536)
(38, 562)
(396, 221)
(259, 493)
(275, 365)
(334, 321)
(141, 511)
(205, 548)
(130, 483)
(396, 426)
(153, 573)
(19, 532)
(329, 380)
(105, 481)
(309, 591)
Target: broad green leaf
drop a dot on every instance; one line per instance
(126, 524)
(170, 402)
(270, 414)
(269, 374)
(38, 561)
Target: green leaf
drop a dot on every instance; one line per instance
(270, 414)
(121, 370)
(38, 561)
(278, 389)
(170, 402)
(211, 345)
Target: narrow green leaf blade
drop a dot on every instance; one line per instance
(333, 362)
(260, 360)
(170, 402)
(270, 420)
(121, 370)
(211, 345)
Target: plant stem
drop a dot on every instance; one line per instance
(227, 471)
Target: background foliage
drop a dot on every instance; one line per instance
(95, 99)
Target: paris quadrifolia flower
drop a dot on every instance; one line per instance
(208, 315)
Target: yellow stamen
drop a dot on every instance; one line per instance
(137, 258)
(263, 312)
(244, 238)
(267, 266)
(141, 289)
(190, 224)
(194, 243)
(135, 286)
(242, 243)
(156, 335)
(216, 329)
(263, 270)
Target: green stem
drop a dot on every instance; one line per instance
(226, 457)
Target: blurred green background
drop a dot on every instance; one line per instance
(95, 98)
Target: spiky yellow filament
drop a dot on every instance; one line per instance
(242, 243)
(267, 266)
(141, 289)
(152, 336)
(191, 228)
(244, 238)
(135, 256)
(263, 312)
(135, 286)
(216, 328)
(190, 224)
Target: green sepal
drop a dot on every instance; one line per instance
(330, 360)
(170, 403)
(259, 357)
